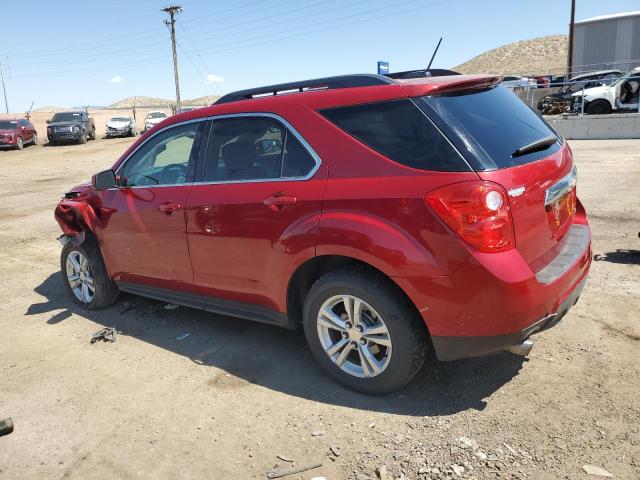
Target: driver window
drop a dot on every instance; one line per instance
(164, 159)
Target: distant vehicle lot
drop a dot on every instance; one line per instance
(233, 395)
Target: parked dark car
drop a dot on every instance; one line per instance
(384, 217)
(560, 101)
(75, 126)
(17, 133)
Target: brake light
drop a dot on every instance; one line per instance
(478, 212)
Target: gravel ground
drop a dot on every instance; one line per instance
(236, 399)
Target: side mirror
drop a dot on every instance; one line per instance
(104, 180)
(48, 121)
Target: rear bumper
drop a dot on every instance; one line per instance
(453, 348)
(496, 300)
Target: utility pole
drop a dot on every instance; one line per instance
(172, 10)
(570, 59)
(4, 89)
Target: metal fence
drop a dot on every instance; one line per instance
(533, 93)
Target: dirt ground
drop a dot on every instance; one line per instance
(226, 401)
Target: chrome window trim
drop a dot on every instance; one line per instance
(290, 128)
(177, 124)
(274, 116)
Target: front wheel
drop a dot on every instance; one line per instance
(34, 139)
(83, 138)
(599, 107)
(19, 143)
(363, 332)
(85, 276)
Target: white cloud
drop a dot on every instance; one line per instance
(116, 79)
(213, 78)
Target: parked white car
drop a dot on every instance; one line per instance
(516, 81)
(153, 118)
(121, 127)
(621, 95)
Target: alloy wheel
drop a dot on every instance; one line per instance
(80, 277)
(354, 336)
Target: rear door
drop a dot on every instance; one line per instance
(255, 209)
(491, 127)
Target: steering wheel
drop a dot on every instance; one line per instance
(175, 173)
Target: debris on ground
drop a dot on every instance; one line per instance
(382, 473)
(335, 450)
(107, 334)
(317, 433)
(596, 471)
(6, 427)
(285, 459)
(170, 306)
(183, 336)
(278, 474)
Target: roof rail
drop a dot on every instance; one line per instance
(342, 81)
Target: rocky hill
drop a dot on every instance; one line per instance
(536, 56)
(141, 102)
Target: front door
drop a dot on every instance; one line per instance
(143, 233)
(255, 211)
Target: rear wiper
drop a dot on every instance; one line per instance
(536, 146)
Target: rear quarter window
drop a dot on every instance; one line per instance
(401, 132)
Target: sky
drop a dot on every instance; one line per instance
(61, 55)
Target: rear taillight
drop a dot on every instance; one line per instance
(478, 212)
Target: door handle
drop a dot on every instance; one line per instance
(169, 207)
(278, 200)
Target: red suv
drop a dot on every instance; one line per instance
(383, 216)
(17, 133)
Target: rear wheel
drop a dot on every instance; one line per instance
(85, 276)
(363, 332)
(92, 135)
(599, 107)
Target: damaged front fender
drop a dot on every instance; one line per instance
(75, 216)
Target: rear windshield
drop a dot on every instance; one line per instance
(401, 132)
(494, 123)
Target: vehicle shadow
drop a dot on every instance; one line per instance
(278, 359)
(626, 257)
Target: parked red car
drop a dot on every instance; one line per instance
(383, 216)
(17, 133)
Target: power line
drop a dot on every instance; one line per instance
(231, 46)
(4, 89)
(211, 85)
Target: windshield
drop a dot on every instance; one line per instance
(8, 124)
(67, 117)
(493, 124)
(156, 115)
(119, 119)
(632, 74)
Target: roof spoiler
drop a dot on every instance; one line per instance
(465, 84)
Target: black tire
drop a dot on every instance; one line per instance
(92, 135)
(106, 292)
(599, 107)
(52, 143)
(83, 138)
(406, 329)
(34, 139)
(19, 143)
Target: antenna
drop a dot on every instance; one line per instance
(434, 54)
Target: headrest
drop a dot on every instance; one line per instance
(239, 155)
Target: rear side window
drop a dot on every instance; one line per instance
(495, 123)
(400, 131)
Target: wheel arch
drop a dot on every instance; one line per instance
(312, 269)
